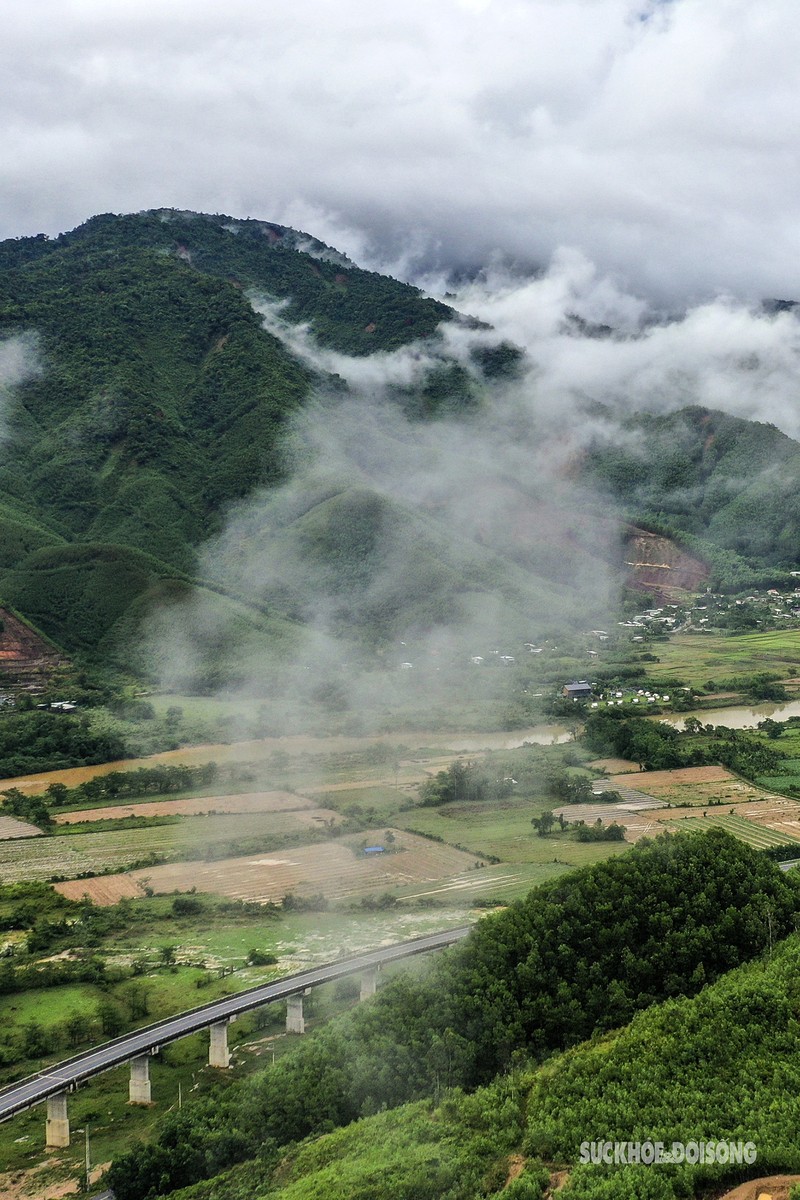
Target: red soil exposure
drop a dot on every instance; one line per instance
(26, 658)
(770, 1187)
(660, 568)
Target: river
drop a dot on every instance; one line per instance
(737, 716)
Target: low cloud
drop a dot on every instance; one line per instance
(590, 340)
(19, 362)
(399, 540)
(433, 541)
(657, 138)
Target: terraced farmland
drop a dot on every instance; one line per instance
(759, 836)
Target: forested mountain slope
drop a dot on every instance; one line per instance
(155, 396)
(722, 1067)
(151, 398)
(729, 487)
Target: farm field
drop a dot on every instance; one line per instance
(698, 657)
(10, 827)
(334, 869)
(685, 786)
(323, 761)
(246, 802)
(637, 817)
(499, 882)
(747, 830)
(503, 829)
(779, 814)
(71, 855)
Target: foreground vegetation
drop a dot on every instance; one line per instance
(545, 974)
(722, 1066)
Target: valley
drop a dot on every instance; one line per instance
(318, 633)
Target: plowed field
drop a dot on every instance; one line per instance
(334, 868)
(248, 802)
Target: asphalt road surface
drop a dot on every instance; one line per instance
(64, 1076)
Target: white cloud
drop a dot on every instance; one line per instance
(721, 354)
(658, 139)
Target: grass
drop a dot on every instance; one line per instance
(696, 658)
(503, 829)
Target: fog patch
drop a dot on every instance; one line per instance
(19, 363)
(591, 341)
(399, 550)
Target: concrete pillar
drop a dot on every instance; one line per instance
(139, 1086)
(295, 1022)
(218, 1053)
(369, 982)
(57, 1120)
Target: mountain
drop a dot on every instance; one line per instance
(724, 486)
(150, 402)
(156, 398)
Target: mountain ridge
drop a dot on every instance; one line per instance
(157, 401)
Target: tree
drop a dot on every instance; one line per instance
(543, 824)
(111, 1018)
(57, 794)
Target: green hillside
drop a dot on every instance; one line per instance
(157, 397)
(727, 487)
(722, 1067)
(156, 400)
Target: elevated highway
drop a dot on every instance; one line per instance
(54, 1083)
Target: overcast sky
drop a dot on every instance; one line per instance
(658, 139)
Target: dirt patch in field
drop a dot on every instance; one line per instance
(334, 868)
(10, 827)
(33, 1185)
(24, 1185)
(247, 802)
(698, 786)
(775, 1187)
(516, 1165)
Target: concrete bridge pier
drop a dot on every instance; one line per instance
(57, 1120)
(218, 1053)
(295, 1021)
(369, 982)
(139, 1086)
